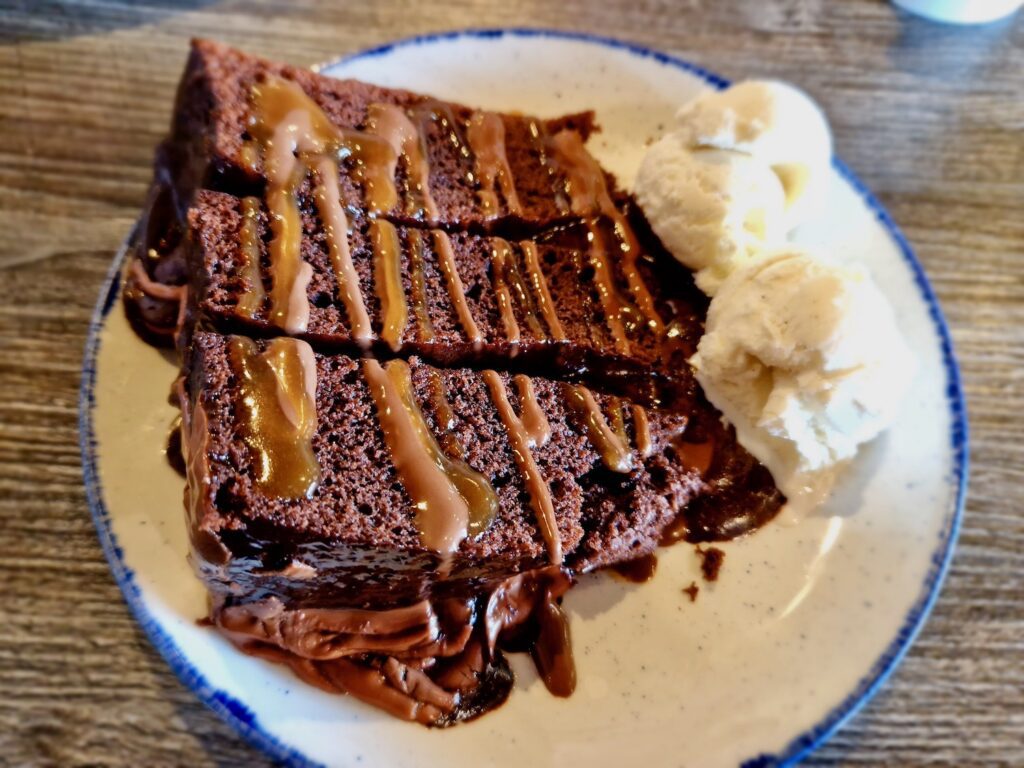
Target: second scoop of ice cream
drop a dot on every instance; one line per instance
(806, 360)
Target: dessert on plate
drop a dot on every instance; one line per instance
(435, 364)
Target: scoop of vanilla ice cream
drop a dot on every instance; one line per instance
(805, 359)
(777, 124)
(714, 210)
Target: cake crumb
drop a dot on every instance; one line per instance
(692, 591)
(711, 562)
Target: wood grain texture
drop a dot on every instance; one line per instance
(931, 117)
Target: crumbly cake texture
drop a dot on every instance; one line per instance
(504, 297)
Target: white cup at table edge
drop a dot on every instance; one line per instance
(961, 11)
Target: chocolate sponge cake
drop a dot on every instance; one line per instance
(453, 298)
(434, 365)
(353, 481)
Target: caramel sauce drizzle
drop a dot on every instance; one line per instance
(335, 222)
(445, 414)
(540, 290)
(253, 297)
(485, 508)
(486, 134)
(613, 450)
(277, 410)
(249, 155)
(293, 134)
(611, 302)
(442, 114)
(586, 190)
(450, 498)
(618, 424)
(521, 442)
(286, 121)
(501, 255)
(387, 279)
(584, 182)
(696, 456)
(456, 291)
(642, 431)
(418, 291)
(289, 274)
(532, 416)
(630, 248)
(391, 124)
(524, 298)
(513, 289)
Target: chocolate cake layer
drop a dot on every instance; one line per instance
(455, 166)
(356, 538)
(453, 298)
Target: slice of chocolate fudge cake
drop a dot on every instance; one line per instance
(433, 367)
(401, 154)
(453, 298)
(326, 492)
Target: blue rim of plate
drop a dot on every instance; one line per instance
(243, 720)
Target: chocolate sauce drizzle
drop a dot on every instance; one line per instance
(277, 413)
(524, 612)
(696, 456)
(174, 450)
(639, 570)
(435, 662)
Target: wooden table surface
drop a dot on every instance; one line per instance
(931, 117)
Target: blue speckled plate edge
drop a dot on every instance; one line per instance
(238, 716)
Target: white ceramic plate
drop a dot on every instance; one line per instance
(805, 622)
